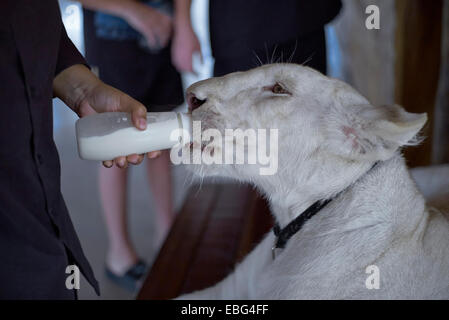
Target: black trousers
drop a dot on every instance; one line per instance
(26, 273)
(308, 50)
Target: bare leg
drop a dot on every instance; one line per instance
(159, 175)
(121, 254)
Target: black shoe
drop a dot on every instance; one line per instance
(132, 278)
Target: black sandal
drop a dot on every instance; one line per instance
(131, 279)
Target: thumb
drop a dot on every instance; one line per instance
(138, 112)
(85, 109)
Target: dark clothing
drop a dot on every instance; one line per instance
(37, 238)
(147, 77)
(246, 34)
(309, 50)
(239, 27)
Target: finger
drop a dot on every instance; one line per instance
(108, 163)
(151, 39)
(141, 158)
(154, 154)
(121, 162)
(135, 159)
(164, 39)
(85, 109)
(160, 41)
(138, 114)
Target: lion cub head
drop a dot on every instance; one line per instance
(306, 126)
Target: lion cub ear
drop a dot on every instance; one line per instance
(376, 133)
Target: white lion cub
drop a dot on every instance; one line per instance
(370, 234)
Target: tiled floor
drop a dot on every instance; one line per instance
(79, 187)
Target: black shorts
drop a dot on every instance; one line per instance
(147, 77)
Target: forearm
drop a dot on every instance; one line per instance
(119, 8)
(72, 85)
(182, 13)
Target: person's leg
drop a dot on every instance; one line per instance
(121, 254)
(159, 175)
(164, 94)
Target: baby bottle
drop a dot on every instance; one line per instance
(105, 136)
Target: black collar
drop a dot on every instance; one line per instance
(284, 234)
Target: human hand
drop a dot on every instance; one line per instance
(184, 45)
(104, 98)
(154, 25)
(86, 94)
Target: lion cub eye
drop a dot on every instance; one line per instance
(279, 89)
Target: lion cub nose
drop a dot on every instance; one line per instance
(193, 102)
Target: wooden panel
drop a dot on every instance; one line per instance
(216, 228)
(418, 50)
(441, 133)
(215, 256)
(168, 272)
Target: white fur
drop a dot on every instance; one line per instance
(329, 137)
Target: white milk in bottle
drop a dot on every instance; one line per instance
(105, 136)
